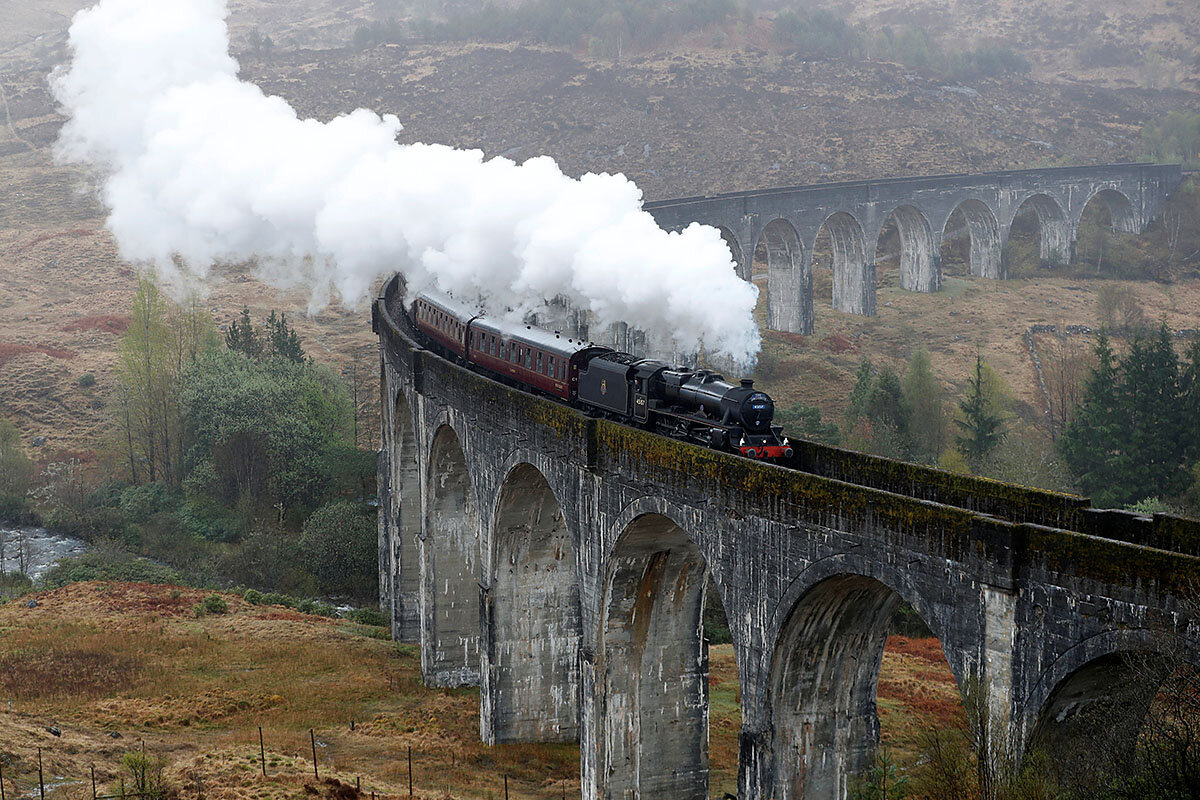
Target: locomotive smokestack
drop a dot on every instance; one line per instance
(747, 383)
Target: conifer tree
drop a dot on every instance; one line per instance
(242, 338)
(1091, 442)
(982, 427)
(282, 341)
(1152, 449)
(859, 394)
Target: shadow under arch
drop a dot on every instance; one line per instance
(1120, 209)
(853, 272)
(824, 678)
(652, 666)
(1054, 236)
(450, 552)
(400, 526)
(788, 301)
(919, 259)
(1092, 702)
(532, 617)
(983, 232)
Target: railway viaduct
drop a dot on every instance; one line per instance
(787, 222)
(560, 563)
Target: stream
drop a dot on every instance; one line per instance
(35, 549)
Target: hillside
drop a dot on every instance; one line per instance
(682, 121)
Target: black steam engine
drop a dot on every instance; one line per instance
(696, 405)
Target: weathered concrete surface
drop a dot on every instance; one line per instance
(563, 562)
(789, 220)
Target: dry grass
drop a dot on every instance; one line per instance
(196, 690)
(94, 659)
(917, 691)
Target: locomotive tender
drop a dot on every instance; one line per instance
(695, 405)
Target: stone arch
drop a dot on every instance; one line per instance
(450, 551)
(1055, 228)
(399, 558)
(533, 625)
(789, 301)
(919, 256)
(736, 250)
(1120, 209)
(983, 229)
(824, 675)
(652, 665)
(1093, 699)
(853, 272)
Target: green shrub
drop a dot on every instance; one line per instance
(368, 616)
(15, 510)
(108, 562)
(86, 380)
(340, 548)
(215, 604)
(209, 520)
(14, 584)
(253, 597)
(268, 559)
(148, 775)
(139, 503)
(277, 599)
(16, 468)
(316, 608)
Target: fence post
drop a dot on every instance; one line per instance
(313, 736)
(93, 782)
(410, 770)
(262, 753)
(2, 779)
(41, 783)
(506, 786)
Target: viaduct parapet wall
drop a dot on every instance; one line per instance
(561, 562)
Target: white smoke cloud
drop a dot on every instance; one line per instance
(199, 167)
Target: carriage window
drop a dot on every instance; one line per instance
(550, 366)
(539, 362)
(528, 359)
(562, 371)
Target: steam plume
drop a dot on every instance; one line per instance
(200, 167)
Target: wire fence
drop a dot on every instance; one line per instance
(145, 786)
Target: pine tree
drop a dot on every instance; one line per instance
(982, 426)
(1152, 460)
(1092, 441)
(242, 338)
(282, 341)
(863, 382)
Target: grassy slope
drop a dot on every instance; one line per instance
(96, 658)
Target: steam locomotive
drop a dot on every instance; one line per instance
(699, 406)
